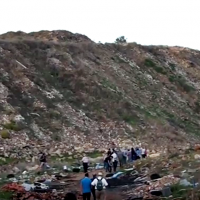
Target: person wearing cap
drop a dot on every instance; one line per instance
(100, 185)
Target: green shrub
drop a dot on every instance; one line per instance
(12, 126)
(160, 70)
(173, 66)
(197, 106)
(56, 137)
(6, 195)
(186, 87)
(172, 78)
(181, 81)
(5, 134)
(129, 119)
(150, 63)
(120, 40)
(54, 114)
(94, 154)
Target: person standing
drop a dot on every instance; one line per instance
(115, 161)
(125, 156)
(85, 161)
(107, 162)
(93, 187)
(100, 184)
(86, 187)
(43, 160)
(133, 154)
(144, 152)
(138, 152)
(109, 152)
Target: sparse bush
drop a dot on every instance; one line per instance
(181, 81)
(6, 195)
(197, 107)
(120, 40)
(173, 66)
(12, 126)
(5, 134)
(129, 119)
(172, 78)
(54, 114)
(186, 87)
(56, 137)
(150, 63)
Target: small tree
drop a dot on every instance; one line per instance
(120, 40)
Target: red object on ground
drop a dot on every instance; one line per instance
(14, 187)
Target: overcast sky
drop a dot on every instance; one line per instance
(157, 22)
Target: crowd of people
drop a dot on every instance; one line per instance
(95, 186)
(134, 154)
(113, 158)
(111, 161)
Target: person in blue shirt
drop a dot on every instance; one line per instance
(86, 187)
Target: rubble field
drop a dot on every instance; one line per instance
(173, 176)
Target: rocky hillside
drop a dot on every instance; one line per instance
(63, 92)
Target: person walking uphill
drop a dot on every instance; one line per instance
(86, 187)
(100, 184)
(85, 161)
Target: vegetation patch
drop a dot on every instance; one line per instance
(6, 161)
(150, 63)
(181, 82)
(118, 59)
(94, 154)
(129, 119)
(5, 134)
(180, 191)
(172, 66)
(5, 195)
(12, 126)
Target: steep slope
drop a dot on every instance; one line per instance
(62, 90)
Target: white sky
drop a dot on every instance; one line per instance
(157, 22)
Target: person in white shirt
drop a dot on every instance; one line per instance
(100, 185)
(115, 161)
(85, 161)
(143, 150)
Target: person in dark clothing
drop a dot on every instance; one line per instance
(114, 161)
(93, 187)
(108, 163)
(133, 154)
(109, 152)
(115, 165)
(85, 161)
(138, 153)
(43, 160)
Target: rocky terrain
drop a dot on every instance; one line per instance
(61, 92)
